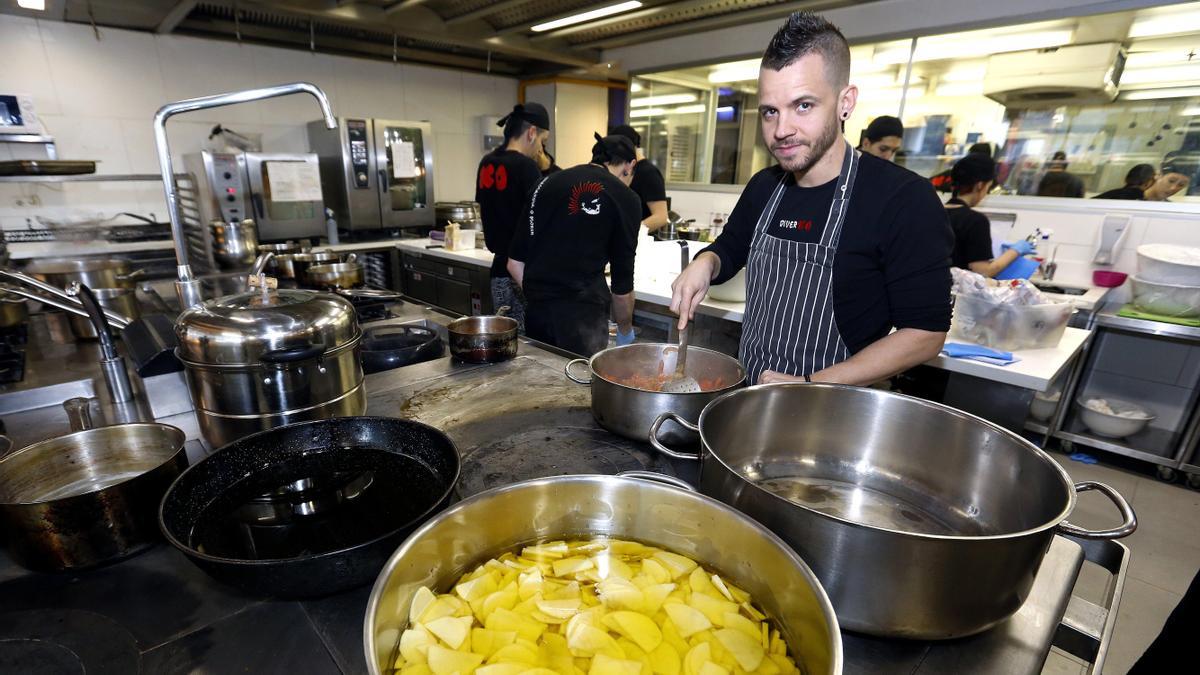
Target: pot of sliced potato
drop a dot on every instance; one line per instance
(597, 575)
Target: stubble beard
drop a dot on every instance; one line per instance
(802, 162)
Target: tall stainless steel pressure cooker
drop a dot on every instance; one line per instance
(268, 357)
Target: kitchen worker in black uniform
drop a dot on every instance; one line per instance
(647, 182)
(883, 137)
(839, 247)
(503, 183)
(972, 178)
(579, 220)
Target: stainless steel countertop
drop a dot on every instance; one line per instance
(480, 404)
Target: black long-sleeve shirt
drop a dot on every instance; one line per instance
(503, 183)
(579, 220)
(892, 267)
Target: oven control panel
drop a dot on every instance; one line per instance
(356, 132)
(228, 187)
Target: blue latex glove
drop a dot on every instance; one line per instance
(624, 338)
(1022, 247)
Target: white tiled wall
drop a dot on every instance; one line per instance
(98, 99)
(1075, 224)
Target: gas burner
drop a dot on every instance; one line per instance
(65, 641)
(543, 452)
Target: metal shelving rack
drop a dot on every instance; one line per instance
(1171, 450)
(85, 178)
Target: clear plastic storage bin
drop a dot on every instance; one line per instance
(1009, 327)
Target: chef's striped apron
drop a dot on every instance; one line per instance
(789, 325)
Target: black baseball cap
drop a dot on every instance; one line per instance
(613, 148)
(534, 113)
(628, 132)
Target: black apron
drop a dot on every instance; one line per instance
(789, 325)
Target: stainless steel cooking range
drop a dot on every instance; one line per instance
(376, 174)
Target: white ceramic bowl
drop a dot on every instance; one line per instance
(1114, 426)
(1169, 264)
(1042, 408)
(1166, 299)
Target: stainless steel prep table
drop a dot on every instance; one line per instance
(167, 615)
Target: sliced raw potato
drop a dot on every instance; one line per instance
(607, 665)
(676, 564)
(596, 607)
(452, 630)
(549, 551)
(734, 620)
(712, 608)
(502, 669)
(747, 650)
(414, 645)
(568, 566)
(560, 609)
(444, 661)
(485, 641)
(664, 660)
(697, 657)
(639, 628)
(420, 602)
(688, 620)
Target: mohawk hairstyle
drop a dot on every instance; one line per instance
(807, 33)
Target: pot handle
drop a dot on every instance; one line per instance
(79, 413)
(293, 354)
(567, 371)
(1124, 530)
(658, 445)
(655, 477)
(6, 446)
(132, 276)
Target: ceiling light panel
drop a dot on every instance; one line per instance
(584, 17)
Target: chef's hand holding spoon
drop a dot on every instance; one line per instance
(690, 287)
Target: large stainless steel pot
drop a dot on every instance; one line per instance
(265, 358)
(234, 243)
(466, 214)
(629, 411)
(504, 519)
(90, 272)
(920, 520)
(123, 301)
(89, 497)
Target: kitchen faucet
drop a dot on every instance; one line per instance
(187, 286)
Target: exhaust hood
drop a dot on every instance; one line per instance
(1048, 78)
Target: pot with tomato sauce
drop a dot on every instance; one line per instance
(627, 384)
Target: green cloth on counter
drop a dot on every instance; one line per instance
(1130, 312)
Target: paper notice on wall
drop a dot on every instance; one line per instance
(404, 160)
(294, 181)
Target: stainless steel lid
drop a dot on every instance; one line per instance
(254, 327)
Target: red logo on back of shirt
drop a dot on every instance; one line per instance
(487, 176)
(501, 178)
(585, 197)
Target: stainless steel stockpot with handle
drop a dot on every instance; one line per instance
(629, 411)
(264, 358)
(921, 521)
(567, 507)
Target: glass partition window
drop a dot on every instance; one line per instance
(1092, 96)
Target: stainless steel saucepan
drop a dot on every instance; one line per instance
(921, 521)
(89, 497)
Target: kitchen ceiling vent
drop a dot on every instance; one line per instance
(1048, 78)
